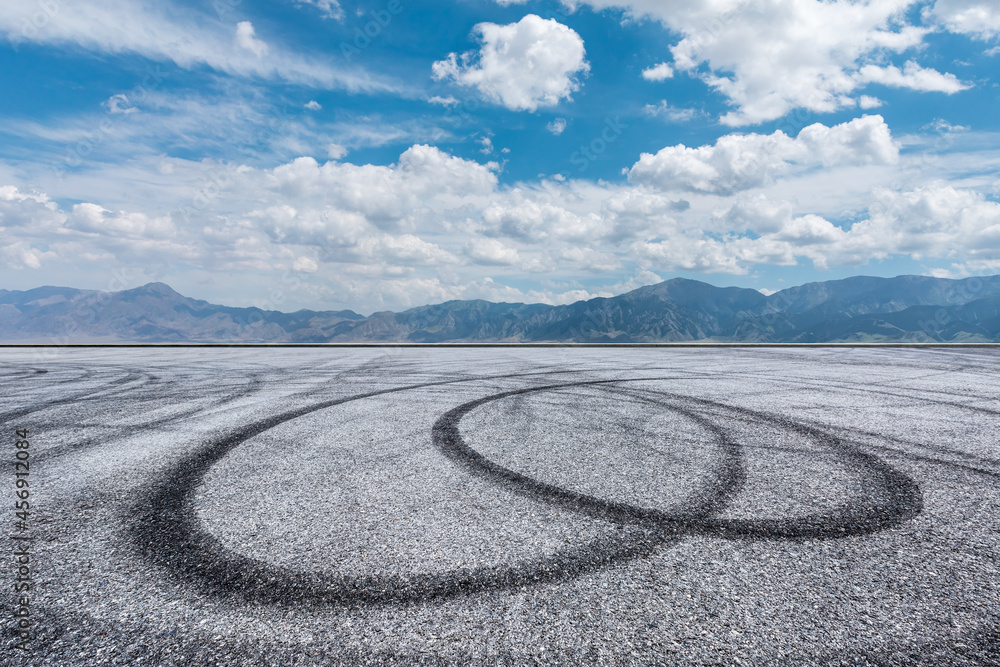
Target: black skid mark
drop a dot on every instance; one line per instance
(169, 534)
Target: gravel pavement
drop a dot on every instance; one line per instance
(505, 506)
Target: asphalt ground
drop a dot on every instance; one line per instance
(505, 506)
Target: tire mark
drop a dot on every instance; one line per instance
(252, 387)
(168, 533)
(897, 496)
(18, 413)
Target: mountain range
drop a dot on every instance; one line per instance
(860, 309)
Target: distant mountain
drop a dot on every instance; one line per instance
(860, 309)
(154, 313)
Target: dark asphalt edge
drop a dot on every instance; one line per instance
(696, 345)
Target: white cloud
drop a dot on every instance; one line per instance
(328, 9)
(238, 121)
(660, 72)
(557, 126)
(313, 105)
(434, 226)
(305, 265)
(667, 112)
(40, 234)
(742, 161)
(392, 198)
(94, 219)
(869, 102)
(189, 39)
(932, 221)
(336, 151)
(978, 18)
(405, 250)
(912, 76)
(119, 104)
(533, 63)
(770, 57)
(643, 278)
(246, 38)
(491, 252)
(937, 219)
(527, 221)
(21, 255)
(444, 101)
(588, 259)
(28, 210)
(943, 127)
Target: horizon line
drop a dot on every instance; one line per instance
(496, 345)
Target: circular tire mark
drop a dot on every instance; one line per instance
(893, 497)
(168, 533)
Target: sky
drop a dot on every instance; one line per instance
(332, 154)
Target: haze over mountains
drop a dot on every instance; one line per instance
(860, 309)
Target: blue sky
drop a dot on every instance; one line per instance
(380, 155)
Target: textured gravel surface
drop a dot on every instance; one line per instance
(507, 506)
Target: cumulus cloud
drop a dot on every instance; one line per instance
(28, 210)
(869, 102)
(768, 58)
(978, 18)
(742, 161)
(932, 221)
(390, 197)
(660, 72)
(404, 250)
(433, 226)
(936, 220)
(491, 252)
(642, 278)
(557, 126)
(94, 219)
(588, 259)
(38, 233)
(336, 151)
(364, 215)
(533, 63)
(305, 265)
(527, 221)
(912, 76)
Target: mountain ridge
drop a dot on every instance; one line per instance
(856, 309)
